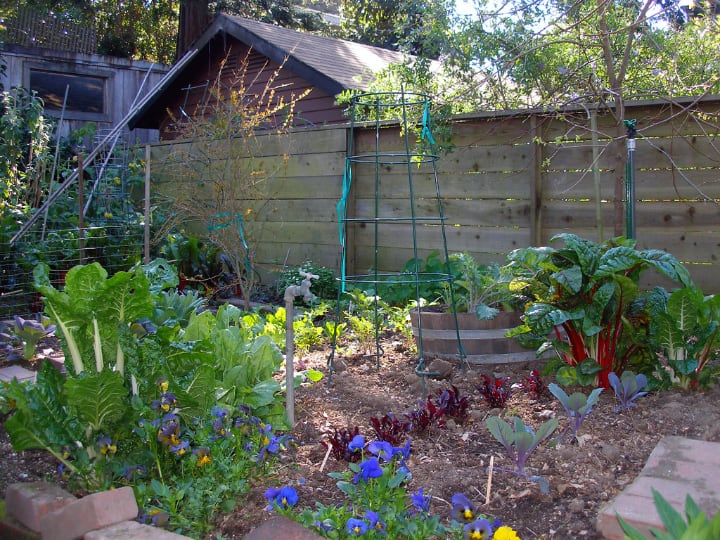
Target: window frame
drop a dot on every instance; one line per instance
(106, 76)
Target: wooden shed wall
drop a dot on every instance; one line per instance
(124, 88)
(511, 181)
(316, 109)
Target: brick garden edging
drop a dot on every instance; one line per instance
(48, 512)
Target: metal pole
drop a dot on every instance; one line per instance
(146, 249)
(630, 179)
(81, 212)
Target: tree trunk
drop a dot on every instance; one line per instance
(194, 17)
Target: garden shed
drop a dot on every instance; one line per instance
(324, 65)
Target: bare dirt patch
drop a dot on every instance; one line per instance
(455, 459)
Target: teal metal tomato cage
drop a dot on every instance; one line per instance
(391, 190)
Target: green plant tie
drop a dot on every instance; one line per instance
(227, 219)
(341, 212)
(426, 125)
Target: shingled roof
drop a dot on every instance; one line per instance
(333, 65)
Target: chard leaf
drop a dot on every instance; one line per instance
(668, 265)
(617, 260)
(202, 387)
(98, 399)
(127, 297)
(567, 376)
(200, 326)
(23, 432)
(683, 308)
(570, 278)
(42, 419)
(544, 317)
(160, 275)
(583, 250)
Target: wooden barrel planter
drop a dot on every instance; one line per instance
(484, 341)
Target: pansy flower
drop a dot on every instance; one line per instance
(462, 509)
(165, 404)
(106, 446)
(131, 472)
(370, 468)
(273, 445)
(357, 443)
(381, 449)
(356, 527)
(477, 530)
(169, 432)
(284, 497)
(420, 501)
(202, 454)
(374, 522)
(62, 472)
(181, 448)
(162, 383)
(403, 451)
(505, 533)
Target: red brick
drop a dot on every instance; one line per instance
(280, 527)
(676, 468)
(29, 502)
(89, 513)
(132, 530)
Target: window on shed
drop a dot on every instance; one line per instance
(86, 93)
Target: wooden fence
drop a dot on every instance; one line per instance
(511, 180)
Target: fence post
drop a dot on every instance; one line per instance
(536, 181)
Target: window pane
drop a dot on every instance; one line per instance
(86, 94)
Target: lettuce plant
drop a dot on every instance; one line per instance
(577, 405)
(627, 388)
(520, 441)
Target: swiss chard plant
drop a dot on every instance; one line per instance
(577, 405)
(685, 331)
(520, 441)
(588, 304)
(628, 387)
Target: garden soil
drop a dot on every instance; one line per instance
(583, 475)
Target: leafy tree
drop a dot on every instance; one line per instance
(417, 27)
(549, 54)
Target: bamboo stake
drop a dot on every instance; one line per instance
(489, 482)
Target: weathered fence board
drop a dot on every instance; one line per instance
(500, 188)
